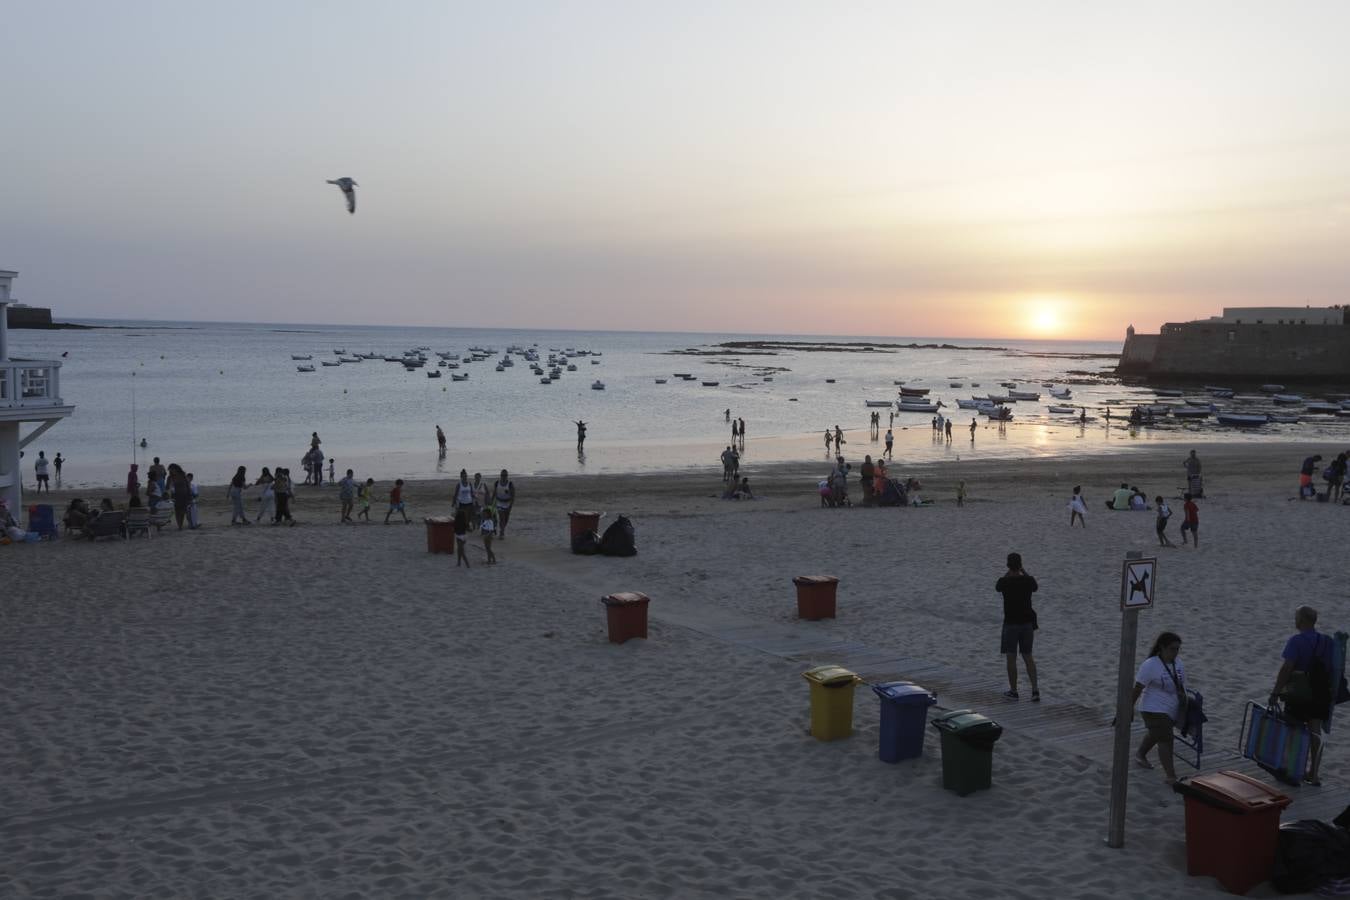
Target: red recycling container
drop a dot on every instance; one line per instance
(1232, 827)
(582, 521)
(816, 596)
(440, 534)
(627, 615)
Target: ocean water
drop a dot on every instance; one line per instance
(215, 396)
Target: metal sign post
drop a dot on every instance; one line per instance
(1138, 580)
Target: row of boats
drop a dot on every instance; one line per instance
(418, 358)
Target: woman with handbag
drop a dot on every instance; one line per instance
(1161, 682)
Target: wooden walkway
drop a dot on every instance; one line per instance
(1081, 730)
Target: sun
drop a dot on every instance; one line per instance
(1045, 320)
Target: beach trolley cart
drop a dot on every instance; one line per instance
(831, 701)
(968, 740)
(440, 534)
(816, 596)
(1277, 744)
(626, 613)
(904, 716)
(582, 521)
(1232, 828)
(1195, 486)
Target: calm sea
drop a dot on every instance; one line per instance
(215, 396)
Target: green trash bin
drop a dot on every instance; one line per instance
(968, 740)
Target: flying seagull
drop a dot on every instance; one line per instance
(347, 184)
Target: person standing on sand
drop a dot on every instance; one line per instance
(180, 491)
(193, 515)
(1335, 476)
(57, 464)
(364, 495)
(838, 439)
(1077, 507)
(742, 421)
(479, 499)
(1019, 624)
(1191, 520)
(735, 430)
(1164, 513)
(40, 471)
(266, 499)
(949, 430)
(827, 442)
(488, 527)
(503, 498)
(236, 495)
(461, 537)
(282, 491)
(735, 465)
(972, 429)
(1161, 682)
(890, 443)
(347, 494)
(581, 434)
(726, 464)
(867, 471)
(1307, 697)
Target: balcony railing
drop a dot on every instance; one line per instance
(30, 382)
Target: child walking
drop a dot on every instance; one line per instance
(489, 528)
(461, 536)
(396, 502)
(364, 496)
(1191, 520)
(347, 494)
(1164, 513)
(1077, 507)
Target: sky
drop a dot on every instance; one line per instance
(965, 169)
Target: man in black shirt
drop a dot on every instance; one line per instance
(1019, 623)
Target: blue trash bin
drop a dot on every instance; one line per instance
(904, 717)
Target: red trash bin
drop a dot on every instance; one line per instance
(627, 615)
(582, 521)
(440, 534)
(1232, 827)
(816, 596)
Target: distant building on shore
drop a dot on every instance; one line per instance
(21, 315)
(1246, 343)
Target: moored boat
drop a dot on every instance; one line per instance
(1241, 420)
(1071, 410)
(597, 385)
(1024, 395)
(876, 402)
(304, 368)
(298, 356)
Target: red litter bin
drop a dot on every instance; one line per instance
(815, 596)
(1232, 827)
(627, 615)
(582, 521)
(440, 534)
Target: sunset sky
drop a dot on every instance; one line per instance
(965, 169)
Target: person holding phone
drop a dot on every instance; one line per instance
(1019, 624)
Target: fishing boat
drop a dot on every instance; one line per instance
(711, 383)
(922, 406)
(974, 404)
(1205, 403)
(597, 385)
(329, 362)
(682, 375)
(998, 413)
(571, 367)
(876, 403)
(595, 362)
(660, 381)
(1071, 410)
(1024, 395)
(304, 368)
(1063, 394)
(829, 381)
(545, 380)
(914, 392)
(955, 384)
(457, 377)
(298, 356)
(1241, 420)
(434, 373)
(501, 368)
(768, 378)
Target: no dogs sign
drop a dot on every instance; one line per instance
(1138, 582)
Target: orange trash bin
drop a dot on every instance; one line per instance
(626, 612)
(582, 521)
(816, 596)
(440, 534)
(1232, 828)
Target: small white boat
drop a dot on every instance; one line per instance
(877, 402)
(329, 362)
(304, 368)
(973, 404)
(998, 413)
(298, 356)
(456, 377)
(434, 373)
(597, 385)
(1063, 394)
(660, 381)
(922, 406)
(1024, 395)
(1239, 420)
(1072, 410)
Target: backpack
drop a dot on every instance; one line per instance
(1308, 694)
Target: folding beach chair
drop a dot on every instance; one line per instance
(42, 519)
(1275, 743)
(1194, 738)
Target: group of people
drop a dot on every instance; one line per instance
(42, 470)
(1333, 474)
(1305, 685)
(165, 484)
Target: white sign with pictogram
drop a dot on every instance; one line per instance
(1138, 583)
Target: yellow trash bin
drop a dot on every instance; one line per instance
(831, 701)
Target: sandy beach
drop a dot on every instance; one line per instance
(330, 711)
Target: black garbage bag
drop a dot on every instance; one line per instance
(619, 539)
(1310, 853)
(587, 543)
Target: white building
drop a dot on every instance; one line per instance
(30, 391)
(1280, 315)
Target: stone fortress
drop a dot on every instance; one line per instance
(1246, 344)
